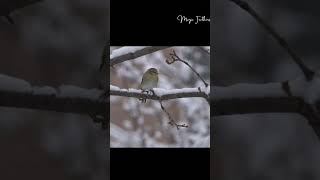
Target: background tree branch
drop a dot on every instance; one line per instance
(8, 6)
(257, 105)
(128, 53)
(18, 93)
(280, 97)
(282, 42)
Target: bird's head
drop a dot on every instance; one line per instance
(153, 71)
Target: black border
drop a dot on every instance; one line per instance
(145, 22)
(166, 163)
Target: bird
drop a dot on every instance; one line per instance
(149, 81)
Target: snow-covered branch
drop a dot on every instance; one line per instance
(289, 96)
(162, 94)
(19, 93)
(128, 53)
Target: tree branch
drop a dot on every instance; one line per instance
(53, 102)
(18, 93)
(172, 122)
(294, 96)
(162, 94)
(257, 105)
(175, 57)
(8, 6)
(128, 53)
(308, 73)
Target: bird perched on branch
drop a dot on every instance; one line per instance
(8, 6)
(149, 81)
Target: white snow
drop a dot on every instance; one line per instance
(161, 91)
(114, 88)
(299, 87)
(77, 92)
(12, 84)
(125, 50)
(44, 90)
(309, 91)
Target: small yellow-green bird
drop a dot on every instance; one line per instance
(149, 80)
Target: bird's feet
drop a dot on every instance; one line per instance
(148, 92)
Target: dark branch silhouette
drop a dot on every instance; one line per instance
(8, 6)
(308, 73)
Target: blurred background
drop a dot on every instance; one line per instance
(264, 146)
(135, 124)
(53, 42)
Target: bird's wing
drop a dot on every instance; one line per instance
(142, 80)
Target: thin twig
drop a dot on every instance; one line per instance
(308, 73)
(135, 114)
(171, 120)
(175, 57)
(204, 50)
(99, 119)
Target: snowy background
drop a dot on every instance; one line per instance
(55, 42)
(264, 146)
(134, 124)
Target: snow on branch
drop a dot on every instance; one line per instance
(295, 96)
(19, 93)
(162, 94)
(128, 53)
(289, 96)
